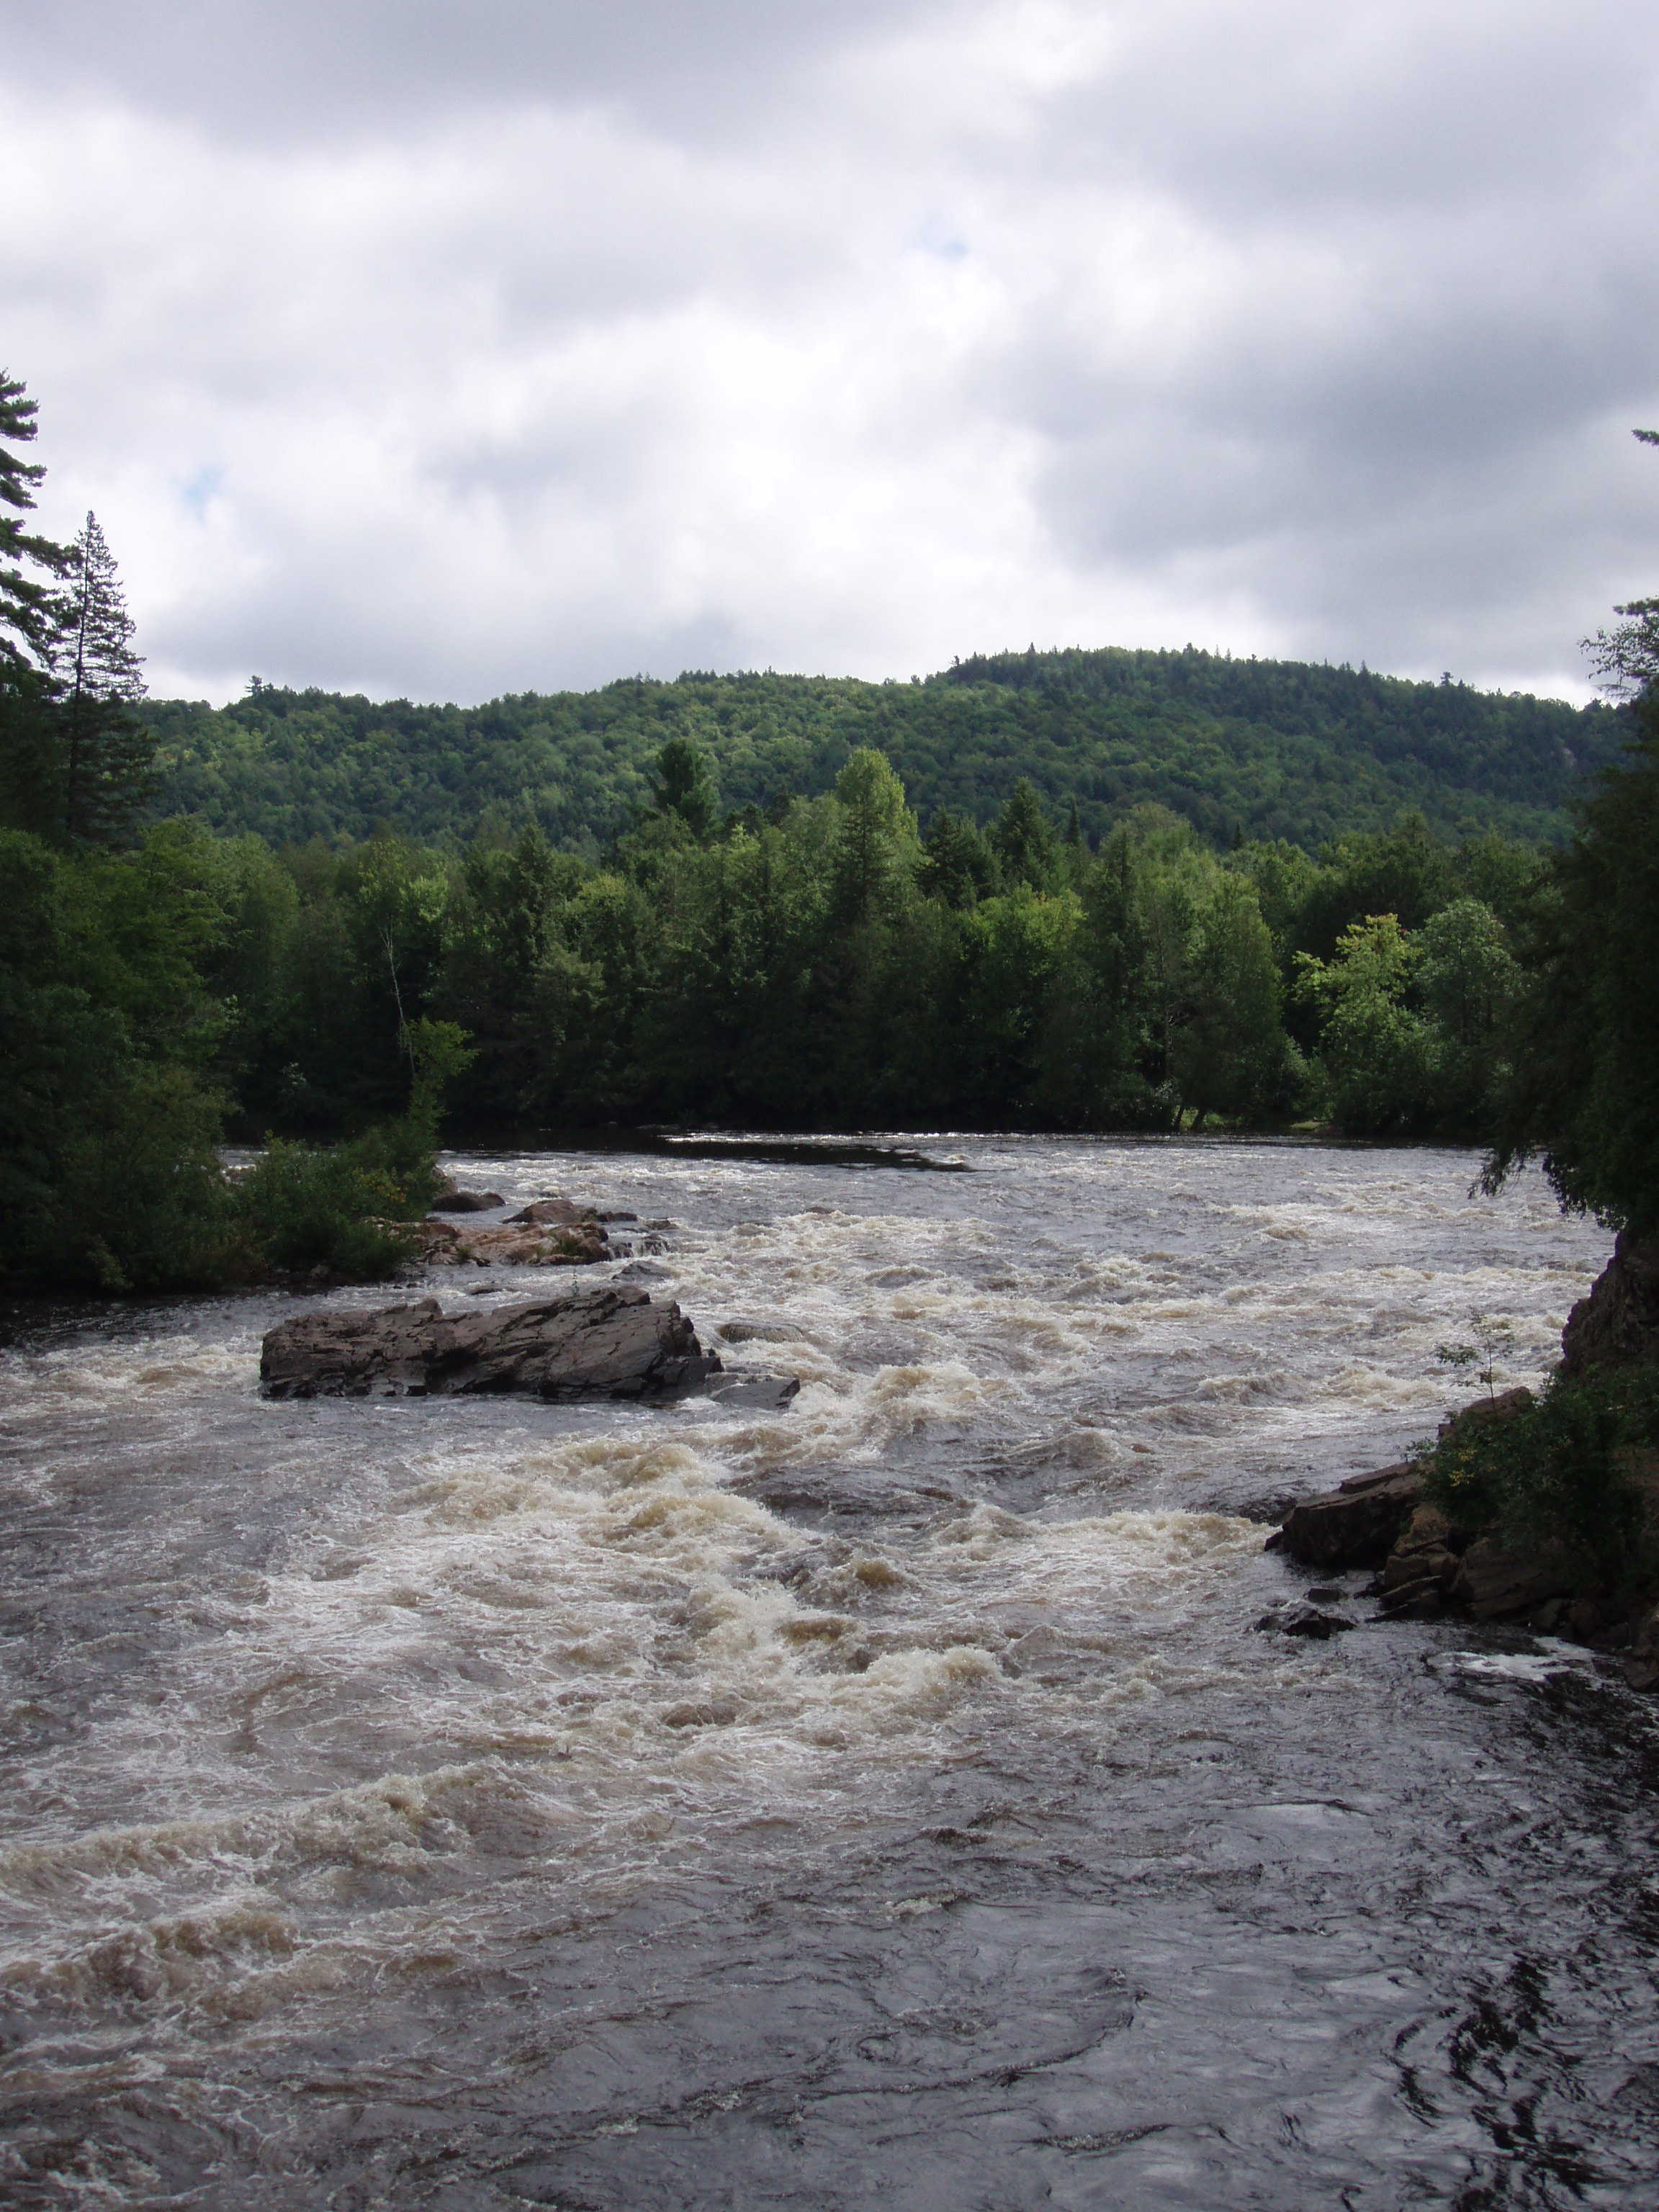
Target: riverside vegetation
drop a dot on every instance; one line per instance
(1556, 1497)
(817, 959)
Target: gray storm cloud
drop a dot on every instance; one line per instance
(333, 68)
(445, 351)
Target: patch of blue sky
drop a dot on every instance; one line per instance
(197, 492)
(938, 235)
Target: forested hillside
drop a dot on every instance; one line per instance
(1242, 749)
(1086, 891)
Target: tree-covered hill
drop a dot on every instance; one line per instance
(1256, 749)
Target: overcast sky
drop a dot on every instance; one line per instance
(443, 348)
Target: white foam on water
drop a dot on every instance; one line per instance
(572, 1647)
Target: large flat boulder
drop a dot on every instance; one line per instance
(612, 1342)
(1356, 1524)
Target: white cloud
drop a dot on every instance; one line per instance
(841, 339)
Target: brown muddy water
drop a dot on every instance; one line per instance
(887, 1803)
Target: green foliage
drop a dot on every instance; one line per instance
(438, 1053)
(877, 847)
(106, 755)
(1376, 1049)
(108, 1113)
(1493, 1341)
(1413, 1027)
(1262, 749)
(1230, 1057)
(120, 1034)
(1023, 840)
(301, 1208)
(814, 962)
(1584, 1086)
(75, 763)
(958, 868)
(29, 563)
(683, 786)
(1469, 987)
(1563, 1471)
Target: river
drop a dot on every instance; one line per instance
(885, 1803)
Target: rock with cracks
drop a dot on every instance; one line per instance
(1355, 1525)
(612, 1342)
(1618, 1324)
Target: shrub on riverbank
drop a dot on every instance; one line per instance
(1577, 1470)
(140, 1203)
(338, 1208)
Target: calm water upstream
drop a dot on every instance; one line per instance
(466, 1804)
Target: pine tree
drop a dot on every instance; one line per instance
(106, 753)
(958, 868)
(684, 785)
(26, 601)
(1023, 840)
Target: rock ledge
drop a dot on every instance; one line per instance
(612, 1342)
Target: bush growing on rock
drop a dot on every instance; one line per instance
(338, 1208)
(1578, 1468)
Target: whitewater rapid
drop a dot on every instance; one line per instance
(888, 1802)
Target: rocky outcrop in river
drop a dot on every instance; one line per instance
(1354, 1525)
(512, 1244)
(612, 1342)
(550, 1232)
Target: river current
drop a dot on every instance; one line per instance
(885, 1803)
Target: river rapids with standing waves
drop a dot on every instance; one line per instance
(886, 1803)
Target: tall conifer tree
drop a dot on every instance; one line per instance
(106, 752)
(26, 600)
(30, 567)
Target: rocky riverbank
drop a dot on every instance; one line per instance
(1429, 1561)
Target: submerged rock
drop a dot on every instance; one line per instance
(827, 1491)
(452, 1199)
(553, 1209)
(1295, 1616)
(747, 1387)
(611, 1342)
